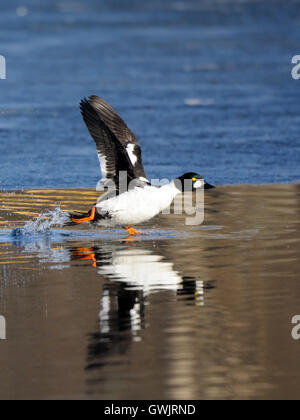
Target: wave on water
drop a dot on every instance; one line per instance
(40, 232)
(43, 224)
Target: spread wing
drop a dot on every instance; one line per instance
(117, 147)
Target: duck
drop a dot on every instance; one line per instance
(129, 199)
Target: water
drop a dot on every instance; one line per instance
(180, 312)
(206, 86)
(43, 224)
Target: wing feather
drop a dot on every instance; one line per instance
(118, 148)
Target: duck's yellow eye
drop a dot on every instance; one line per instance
(194, 179)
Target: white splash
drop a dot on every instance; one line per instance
(44, 222)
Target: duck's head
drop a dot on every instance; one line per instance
(197, 181)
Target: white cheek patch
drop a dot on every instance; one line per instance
(130, 152)
(198, 184)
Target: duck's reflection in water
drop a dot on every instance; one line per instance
(133, 274)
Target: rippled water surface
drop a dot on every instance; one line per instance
(206, 86)
(180, 312)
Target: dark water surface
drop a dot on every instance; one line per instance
(181, 312)
(206, 86)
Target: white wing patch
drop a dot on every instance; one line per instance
(130, 151)
(102, 160)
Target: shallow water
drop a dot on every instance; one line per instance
(180, 312)
(205, 85)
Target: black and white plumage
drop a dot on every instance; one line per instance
(118, 148)
(119, 151)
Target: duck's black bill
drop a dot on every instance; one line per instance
(208, 186)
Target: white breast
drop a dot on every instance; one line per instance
(137, 205)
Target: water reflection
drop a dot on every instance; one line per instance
(130, 273)
(133, 273)
(137, 320)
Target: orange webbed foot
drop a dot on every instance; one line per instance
(86, 218)
(131, 231)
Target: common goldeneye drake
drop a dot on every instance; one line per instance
(119, 153)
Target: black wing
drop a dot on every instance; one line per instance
(118, 148)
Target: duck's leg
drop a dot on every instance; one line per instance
(131, 231)
(86, 217)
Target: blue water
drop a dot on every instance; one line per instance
(205, 85)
